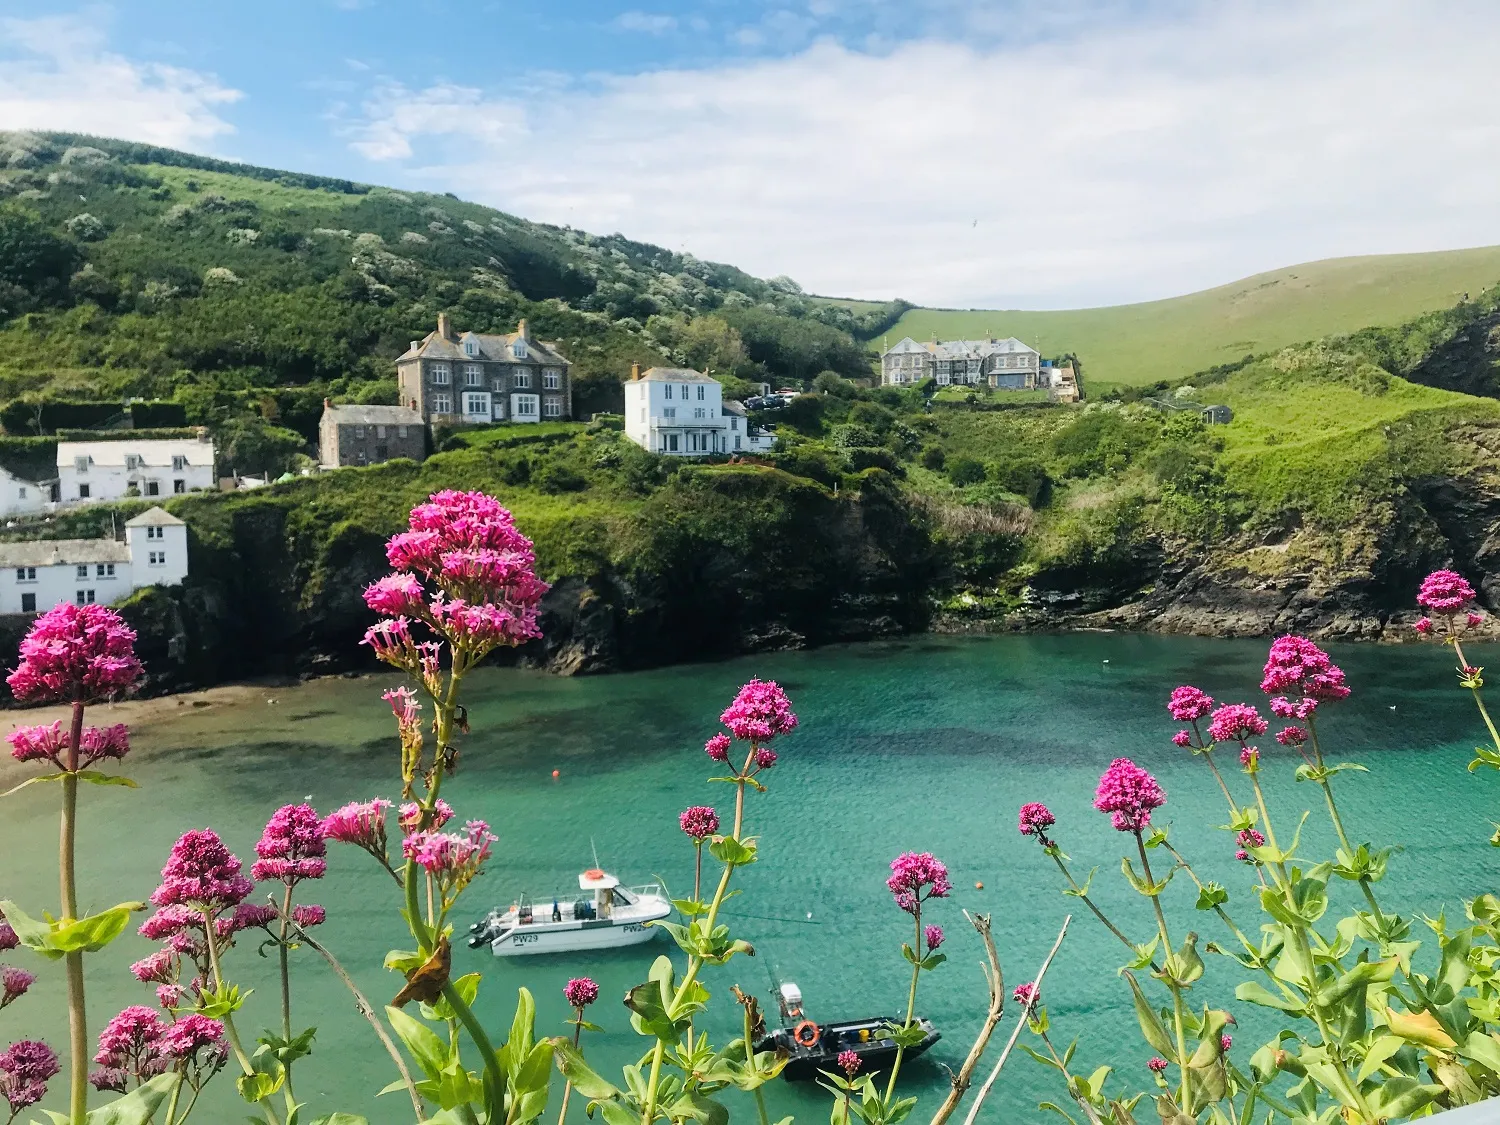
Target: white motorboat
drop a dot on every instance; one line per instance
(606, 915)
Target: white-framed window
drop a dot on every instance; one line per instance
(521, 377)
(471, 347)
(85, 597)
(442, 404)
(28, 603)
(440, 374)
(400, 431)
(380, 431)
(667, 391)
(518, 349)
(133, 461)
(736, 441)
(179, 486)
(156, 533)
(684, 393)
(672, 443)
(700, 393)
(153, 488)
(497, 384)
(552, 408)
(179, 462)
(104, 570)
(81, 464)
(734, 423)
(25, 574)
(83, 570)
(473, 375)
(669, 412)
(477, 404)
(154, 558)
(525, 407)
(551, 379)
(699, 412)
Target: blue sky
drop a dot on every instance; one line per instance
(1012, 153)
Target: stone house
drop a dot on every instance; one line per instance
(452, 377)
(368, 435)
(1003, 364)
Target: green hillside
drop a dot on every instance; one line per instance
(1173, 338)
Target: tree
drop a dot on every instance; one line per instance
(250, 445)
(31, 256)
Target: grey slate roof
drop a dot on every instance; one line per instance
(492, 347)
(733, 407)
(675, 375)
(154, 517)
(63, 552)
(356, 415)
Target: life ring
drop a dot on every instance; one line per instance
(806, 1034)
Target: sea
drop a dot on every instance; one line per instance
(922, 744)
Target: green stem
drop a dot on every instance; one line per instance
(760, 1099)
(1088, 1110)
(229, 1028)
(78, 1034)
(1081, 894)
(911, 1001)
(1171, 983)
(1478, 699)
(1338, 823)
(1208, 756)
(286, 990)
(172, 1102)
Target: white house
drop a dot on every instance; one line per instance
(681, 412)
(38, 574)
(1004, 364)
(19, 496)
(105, 470)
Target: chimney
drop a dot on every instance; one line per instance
(326, 404)
(444, 329)
(415, 344)
(522, 331)
(635, 371)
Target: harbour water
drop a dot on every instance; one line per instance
(926, 744)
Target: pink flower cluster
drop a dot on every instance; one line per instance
(13, 984)
(916, 877)
(130, 1045)
(25, 1067)
(184, 1039)
(760, 712)
(453, 860)
(1025, 995)
(50, 743)
(409, 816)
(1248, 838)
(201, 873)
(849, 1063)
(1445, 592)
(291, 848)
(1297, 667)
(76, 653)
(580, 992)
(1188, 704)
(8, 938)
(933, 936)
(361, 823)
(1128, 793)
(1035, 818)
(699, 821)
(1236, 722)
(1291, 736)
(1156, 1065)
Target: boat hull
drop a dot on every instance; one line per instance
(526, 941)
(875, 1052)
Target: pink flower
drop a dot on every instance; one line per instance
(1183, 738)
(202, 873)
(170, 921)
(699, 821)
(391, 639)
(1296, 666)
(1472, 620)
(76, 653)
(453, 860)
(933, 936)
(8, 939)
(1129, 794)
(24, 1070)
(1302, 709)
(760, 712)
(717, 748)
(129, 1039)
(39, 743)
(1248, 838)
(187, 1036)
(13, 984)
(361, 823)
(1225, 1041)
(1250, 758)
(155, 969)
(765, 757)
(406, 708)
(1423, 625)
(849, 1063)
(1291, 736)
(1236, 722)
(409, 816)
(580, 992)
(1025, 994)
(396, 595)
(246, 916)
(1446, 592)
(912, 873)
(108, 1078)
(309, 915)
(1188, 704)
(169, 996)
(1035, 819)
(291, 848)
(1156, 1065)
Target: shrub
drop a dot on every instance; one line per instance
(965, 470)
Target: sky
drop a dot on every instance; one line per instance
(958, 153)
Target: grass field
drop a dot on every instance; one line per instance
(1170, 339)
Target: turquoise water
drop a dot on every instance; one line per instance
(927, 744)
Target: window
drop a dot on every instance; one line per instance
(734, 423)
(736, 441)
(473, 375)
(21, 493)
(442, 404)
(552, 408)
(359, 431)
(440, 374)
(400, 431)
(83, 570)
(25, 574)
(179, 463)
(699, 412)
(497, 383)
(155, 558)
(668, 390)
(382, 452)
(132, 462)
(28, 603)
(700, 393)
(380, 431)
(471, 347)
(85, 597)
(104, 570)
(153, 488)
(477, 404)
(684, 393)
(672, 443)
(156, 533)
(525, 407)
(669, 412)
(521, 377)
(80, 464)
(551, 379)
(518, 349)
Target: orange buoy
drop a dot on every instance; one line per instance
(979, 886)
(556, 773)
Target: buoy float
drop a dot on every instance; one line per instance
(556, 773)
(979, 886)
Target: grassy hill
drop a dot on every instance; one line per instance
(1173, 338)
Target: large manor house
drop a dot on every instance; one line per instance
(1003, 364)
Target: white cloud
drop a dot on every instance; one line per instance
(645, 21)
(1114, 164)
(57, 74)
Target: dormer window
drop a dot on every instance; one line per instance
(81, 464)
(471, 347)
(132, 462)
(518, 349)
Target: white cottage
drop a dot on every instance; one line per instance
(19, 496)
(37, 574)
(105, 470)
(682, 413)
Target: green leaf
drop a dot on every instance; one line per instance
(345, 1118)
(53, 938)
(1365, 973)
(221, 1002)
(256, 1088)
(1382, 1049)
(94, 777)
(137, 1107)
(427, 1050)
(404, 960)
(467, 987)
(1211, 895)
(1253, 992)
(578, 1072)
(34, 780)
(733, 853)
(689, 907)
(1151, 1025)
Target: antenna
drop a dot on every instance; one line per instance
(596, 853)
